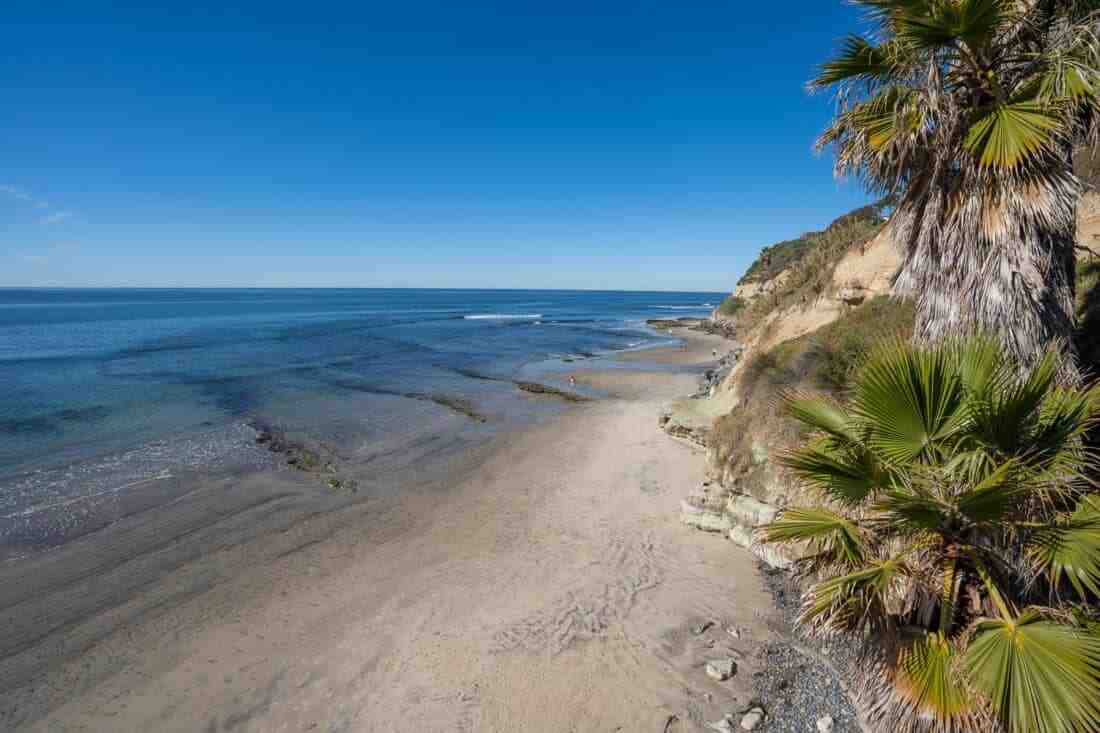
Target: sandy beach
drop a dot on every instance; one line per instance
(544, 584)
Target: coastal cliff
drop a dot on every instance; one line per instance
(799, 319)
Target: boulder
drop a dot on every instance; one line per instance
(752, 719)
(721, 669)
(725, 725)
(825, 724)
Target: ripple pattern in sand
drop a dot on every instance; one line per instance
(588, 611)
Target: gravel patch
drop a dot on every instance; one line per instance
(801, 681)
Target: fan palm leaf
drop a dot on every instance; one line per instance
(913, 399)
(845, 476)
(858, 59)
(1004, 415)
(1070, 550)
(957, 492)
(821, 414)
(925, 681)
(864, 599)
(1008, 133)
(1039, 675)
(831, 537)
(936, 24)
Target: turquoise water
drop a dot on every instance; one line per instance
(102, 387)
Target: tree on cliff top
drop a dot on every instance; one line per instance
(967, 113)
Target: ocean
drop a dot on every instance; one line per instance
(106, 391)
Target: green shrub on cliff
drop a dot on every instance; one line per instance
(955, 532)
(824, 359)
(807, 264)
(731, 305)
(841, 345)
(778, 257)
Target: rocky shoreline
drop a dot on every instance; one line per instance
(800, 683)
(804, 685)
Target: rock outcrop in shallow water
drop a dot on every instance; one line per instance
(300, 455)
(545, 389)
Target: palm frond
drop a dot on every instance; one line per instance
(1039, 675)
(883, 119)
(982, 365)
(1015, 406)
(819, 413)
(868, 599)
(1054, 442)
(911, 397)
(996, 496)
(1070, 550)
(927, 683)
(911, 512)
(847, 477)
(1006, 134)
(831, 538)
(1066, 78)
(858, 59)
(945, 23)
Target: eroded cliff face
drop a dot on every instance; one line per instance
(739, 423)
(864, 272)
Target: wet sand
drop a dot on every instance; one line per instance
(539, 583)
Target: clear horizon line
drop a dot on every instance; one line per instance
(339, 287)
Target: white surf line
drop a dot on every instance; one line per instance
(503, 316)
(65, 502)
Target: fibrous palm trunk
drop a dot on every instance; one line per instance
(1002, 265)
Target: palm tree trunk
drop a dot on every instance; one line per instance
(976, 268)
(1024, 294)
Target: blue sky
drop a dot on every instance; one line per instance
(571, 144)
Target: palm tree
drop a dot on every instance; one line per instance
(956, 536)
(967, 112)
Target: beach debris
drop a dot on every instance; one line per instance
(825, 724)
(668, 723)
(702, 628)
(734, 631)
(721, 669)
(753, 718)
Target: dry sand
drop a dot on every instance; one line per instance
(550, 588)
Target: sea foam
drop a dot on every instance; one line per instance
(503, 316)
